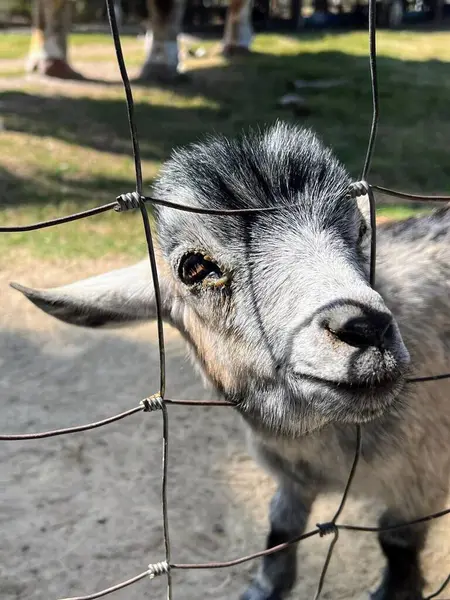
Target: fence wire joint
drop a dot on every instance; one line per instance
(129, 201)
(327, 528)
(357, 189)
(152, 403)
(156, 569)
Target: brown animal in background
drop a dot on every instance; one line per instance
(51, 26)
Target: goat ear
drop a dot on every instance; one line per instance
(116, 298)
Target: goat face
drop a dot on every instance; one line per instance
(276, 305)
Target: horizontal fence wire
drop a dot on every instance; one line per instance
(239, 561)
(136, 200)
(144, 406)
(120, 207)
(320, 528)
(408, 196)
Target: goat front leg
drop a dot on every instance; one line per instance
(403, 578)
(289, 511)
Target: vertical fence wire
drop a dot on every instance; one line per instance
(154, 272)
(374, 86)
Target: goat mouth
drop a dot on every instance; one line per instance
(386, 384)
(355, 402)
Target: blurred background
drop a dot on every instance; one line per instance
(65, 144)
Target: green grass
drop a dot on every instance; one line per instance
(66, 147)
(15, 45)
(400, 211)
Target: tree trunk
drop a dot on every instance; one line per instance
(48, 47)
(162, 39)
(238, 33)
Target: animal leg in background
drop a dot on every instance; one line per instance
(48, 47)
(162, 60)
(238, 32)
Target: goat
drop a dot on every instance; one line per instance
(278, 312)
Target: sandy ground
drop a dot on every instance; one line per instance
(82, 512)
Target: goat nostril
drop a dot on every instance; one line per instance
(362, 331)
(352, 338)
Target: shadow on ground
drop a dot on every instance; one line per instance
(414, 127)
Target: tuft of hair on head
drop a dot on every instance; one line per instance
(261, 168)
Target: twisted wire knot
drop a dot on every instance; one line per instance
(357, 188)
(326, 528)
(152, 403)
(128, 201)
(156, 569)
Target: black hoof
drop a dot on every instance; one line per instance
(161, 76)
(255, 592)
(385, 592)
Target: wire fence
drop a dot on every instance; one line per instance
(136, 200)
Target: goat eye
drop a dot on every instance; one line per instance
(196, 268)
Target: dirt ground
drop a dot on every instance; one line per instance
(83, 512)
